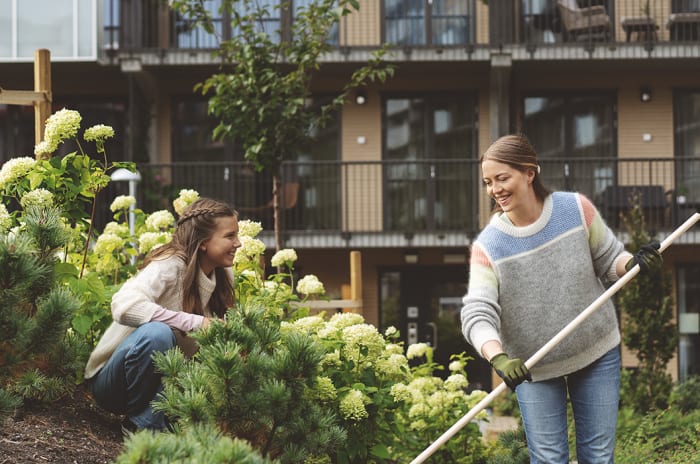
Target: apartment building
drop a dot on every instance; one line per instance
(608, 91)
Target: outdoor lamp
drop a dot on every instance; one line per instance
(645, 94)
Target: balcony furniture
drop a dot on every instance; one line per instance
(584, 23)
(644, 26)
(618, 200)
(289, 197)
(684, 26)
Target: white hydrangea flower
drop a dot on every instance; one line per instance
(394, 365)
(39, 197)
(185, 199)
(310, 285)
(151, 240)
(325, 389)
(456, 366)
(122, 202)
(416, 350)
(393, 348)
(248, 228)
(250, 247)
(400, 392)
(61, 125)
(5, 219)
(352, 406)
(456, 382)
(363, 343)
(390, 331)
(14, 169)
(44, 148)
(162, 219)
(282, 257)
(107, 243)
(99, 132)
(116, 228)
(310, 324)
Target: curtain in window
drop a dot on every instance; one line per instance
(687, 144)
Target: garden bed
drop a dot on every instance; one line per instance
(72, 430)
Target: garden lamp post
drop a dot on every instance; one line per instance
(133, 178)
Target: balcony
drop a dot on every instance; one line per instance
(469, 30)
(436, 203)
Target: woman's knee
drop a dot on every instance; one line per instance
(157, 336)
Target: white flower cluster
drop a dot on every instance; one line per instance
(310, 285)
(363, 344)
(122, 202)
(352, 406)
(159, 220)
(416, 350)
(61, 125)
(185, 199)
(98, 133)
(107, 243)
(115, 228)
(250, 250)
(5, 219)
(39, 197)
(248, 228)
(284, 257)
(14, 169)
(151, 240)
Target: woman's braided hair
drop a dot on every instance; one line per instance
(196, 225)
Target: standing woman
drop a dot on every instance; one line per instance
(542, 259)
(180, 288)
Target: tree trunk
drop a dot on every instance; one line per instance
(276, 211)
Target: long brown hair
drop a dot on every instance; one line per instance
(517, 152)
(196, 225)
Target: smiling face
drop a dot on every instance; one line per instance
(510, 187)
(220, 248)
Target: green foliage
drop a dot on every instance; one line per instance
(666, 436)
(647, 328)
(35, 312)
(511, 448)
(686, 395)
(200, 443)
(252, 380)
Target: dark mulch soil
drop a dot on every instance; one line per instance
(72, 430)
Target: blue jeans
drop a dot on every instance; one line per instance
(595, 395)
(128, 382)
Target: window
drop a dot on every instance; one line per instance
(575, 140)
(318, 174)
(429, 149)
(64, 26)
(424, 22)
(687, 144)
(688, 320)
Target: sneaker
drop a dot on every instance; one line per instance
(128, 427)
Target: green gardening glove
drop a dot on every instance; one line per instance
(648, 258)
(512, 371)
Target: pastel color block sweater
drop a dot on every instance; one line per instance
(527, 283)
(156, 286)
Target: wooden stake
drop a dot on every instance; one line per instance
(42, 84)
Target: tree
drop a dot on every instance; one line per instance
(261, 96)
(35, 313)
(647, 328)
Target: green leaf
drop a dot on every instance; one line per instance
(380, 451)
(81, 324)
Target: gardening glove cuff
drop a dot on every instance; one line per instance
(512, 371)
(648, 258)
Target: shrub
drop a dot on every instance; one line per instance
(686, 395)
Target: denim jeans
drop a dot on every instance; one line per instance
(128, 382)
(595, 395)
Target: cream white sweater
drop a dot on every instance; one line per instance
(158, 285)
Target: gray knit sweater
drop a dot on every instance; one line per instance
(527, 283)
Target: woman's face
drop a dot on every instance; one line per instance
(220, 248)
(510, 187)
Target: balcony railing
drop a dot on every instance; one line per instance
(151, 26)
(415, 197)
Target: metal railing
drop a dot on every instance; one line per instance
(150, 25)
(430, 196)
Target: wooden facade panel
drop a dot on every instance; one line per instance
(362, 27)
